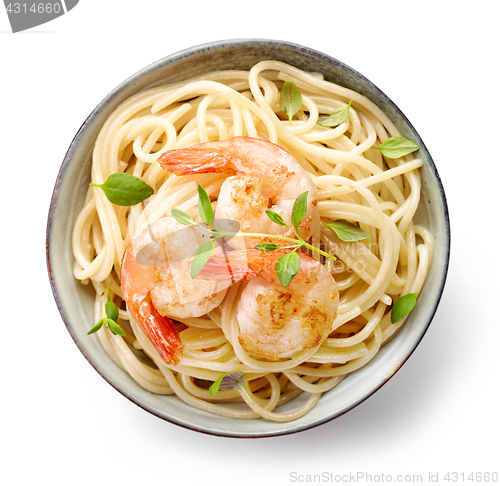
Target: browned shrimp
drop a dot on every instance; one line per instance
(276, 322)
(265, 176)
(159, 285)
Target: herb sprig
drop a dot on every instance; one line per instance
(109, 318)
(287, 265)
(230, 381)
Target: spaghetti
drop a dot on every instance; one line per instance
(355, 182)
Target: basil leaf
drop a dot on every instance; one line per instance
(226, 382)
(287, 267)
(182, 217)
(205, 206)
(115, 328)
(396, 147)
(338, 116)
(403, 306)
(214, 388)
(347, 231)
(290, 99)
(96, 327)
(125, 189)
(299, 210)
(229, 381)
(111, 310)
(201, 258)
(275, 217)
(267, 246)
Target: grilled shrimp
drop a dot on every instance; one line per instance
(276, 322)
(265, 176)
(157, 285)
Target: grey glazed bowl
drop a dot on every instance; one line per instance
(75, 301)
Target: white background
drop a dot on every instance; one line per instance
(61, 423)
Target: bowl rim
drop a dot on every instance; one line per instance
(185, 53)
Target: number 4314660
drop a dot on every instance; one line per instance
(34, 8)
(478, 477)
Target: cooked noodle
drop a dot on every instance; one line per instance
(355, 183)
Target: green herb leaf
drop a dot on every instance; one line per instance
(290, 99)
(115, 328)
(267, 246)
(347, 231)
(182, 217)
(299, 210)
(229, 381)
(125, 189)
(287, 267)
(338, 116)
(403, 306)
(96, 327)
(396, 147)
(201, 258)
(205, 206)
(275, 217)
(111, 310)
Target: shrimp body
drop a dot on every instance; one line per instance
(264, 176)
(157, 285)
(276, 322)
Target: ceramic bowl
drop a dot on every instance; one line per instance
(75, 301)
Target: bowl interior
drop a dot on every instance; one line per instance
(75, 301)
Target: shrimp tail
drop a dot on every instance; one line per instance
(160, 331)
(208, 157)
